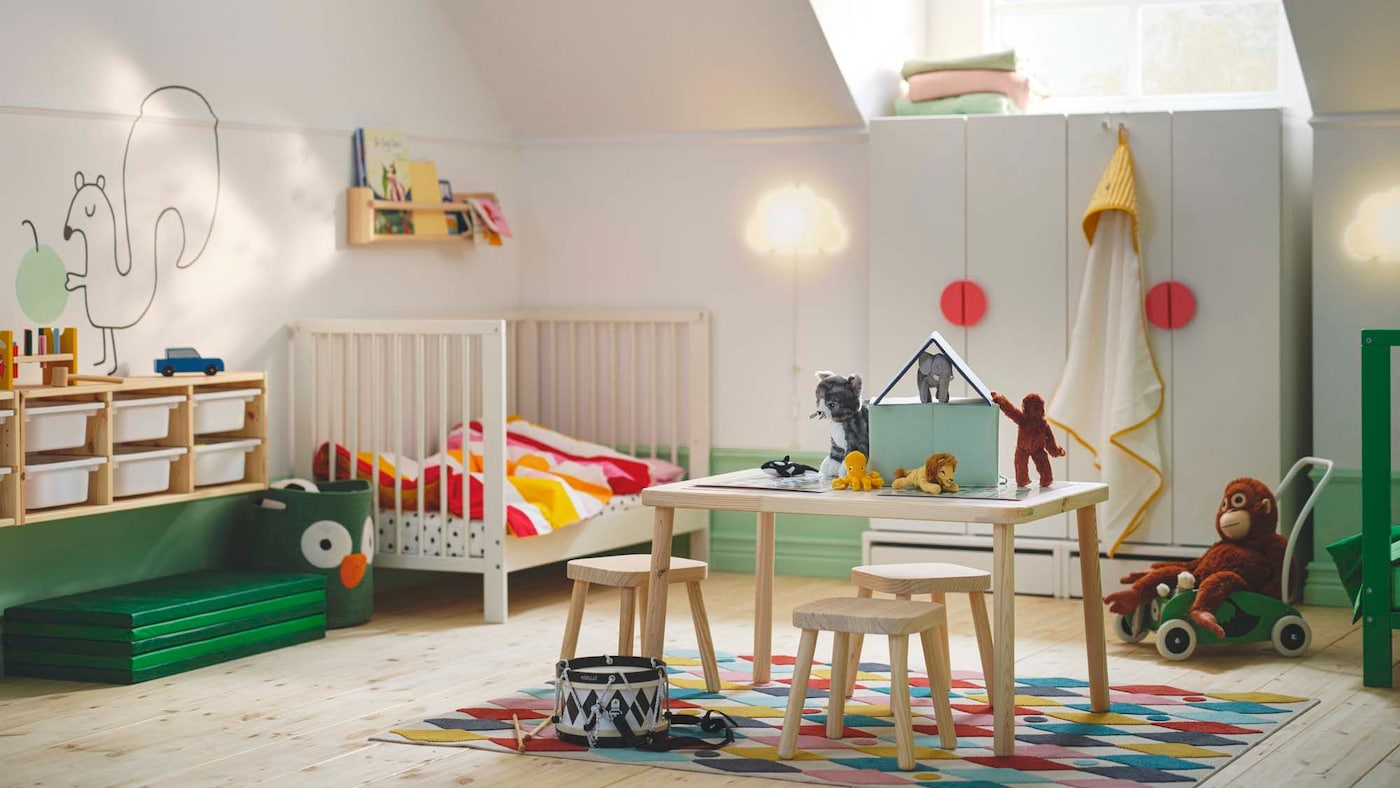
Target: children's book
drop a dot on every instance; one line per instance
(424, 173)
(491, 216)
(1004, 492)
(758, 480)
(357, 142)
(450, 219)
(386, 174)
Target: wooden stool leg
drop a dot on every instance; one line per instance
(983, 627)
(624, 622)
(797, 696)
(940, 598)
(938, 677)
(642, 591)
(899, 701)
(702, 636)
(575, 619)
(857, 642)
(836, 700)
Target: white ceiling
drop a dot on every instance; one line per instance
(621, 67)
(1350, 51)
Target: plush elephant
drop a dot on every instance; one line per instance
(935, 373)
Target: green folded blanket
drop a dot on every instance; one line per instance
(966, 104)
(1346, 554)
(992, 61)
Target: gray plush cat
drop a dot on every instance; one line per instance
(935, 373)
(838, 399)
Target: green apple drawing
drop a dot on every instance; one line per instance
(39, 282)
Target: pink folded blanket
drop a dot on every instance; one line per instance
(941, 84)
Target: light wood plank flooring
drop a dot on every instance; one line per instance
(302, 715)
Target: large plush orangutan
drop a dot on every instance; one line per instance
(1035, 441)
(1249, 556)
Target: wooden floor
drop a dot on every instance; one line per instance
(302, 715)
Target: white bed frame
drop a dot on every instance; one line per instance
(639, 381)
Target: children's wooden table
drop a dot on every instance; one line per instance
(1003, 515)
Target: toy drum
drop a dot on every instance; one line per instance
(611, 701)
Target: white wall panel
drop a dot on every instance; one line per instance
(1016, 251)
(1225, 363)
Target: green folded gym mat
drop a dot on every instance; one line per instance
(108, 676)
(159, 627)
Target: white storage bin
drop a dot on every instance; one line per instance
(57, 479)
(221, 411)
(61, 425)
(138, 470)
(142, 418)
(5, 414)
(222, 461)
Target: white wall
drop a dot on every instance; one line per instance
(288, 82)
(1352, 160)
(870, 42)
(659, 222)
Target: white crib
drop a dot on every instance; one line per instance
(637, 381)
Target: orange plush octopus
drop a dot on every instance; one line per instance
(1248, 557)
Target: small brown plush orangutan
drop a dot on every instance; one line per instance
(1035, 441)
(1249, 557)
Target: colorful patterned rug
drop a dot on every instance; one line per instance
(1152, 734)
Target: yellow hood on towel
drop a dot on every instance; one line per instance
(1116, 192)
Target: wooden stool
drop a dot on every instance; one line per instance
(847, 616)
(936, 580)
(631, 573)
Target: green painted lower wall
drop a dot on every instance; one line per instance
(70, 556)
(1338, 515)
(807, 545)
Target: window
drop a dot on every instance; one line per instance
(1138, 54)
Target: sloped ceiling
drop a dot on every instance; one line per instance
(622, 67)
(1350, 51)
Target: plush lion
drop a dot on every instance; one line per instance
(936, 475)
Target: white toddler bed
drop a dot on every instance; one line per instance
(390, 392)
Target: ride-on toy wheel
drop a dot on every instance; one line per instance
(1129, 628)
(1291, 636)
(1176, 640)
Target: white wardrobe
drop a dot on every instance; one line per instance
(999, 200)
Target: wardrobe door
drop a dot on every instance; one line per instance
(1089, 148)
(1016, 252)
(916, 246)
(1225, 362)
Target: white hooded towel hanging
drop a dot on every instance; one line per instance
(1111, 393)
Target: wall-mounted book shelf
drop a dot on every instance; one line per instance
(361, 208)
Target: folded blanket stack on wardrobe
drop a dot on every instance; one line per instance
(978, 85)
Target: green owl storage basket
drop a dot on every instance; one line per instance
(323, 528)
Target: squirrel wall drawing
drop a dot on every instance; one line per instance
(169, 195)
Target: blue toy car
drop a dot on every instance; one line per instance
(187, 359)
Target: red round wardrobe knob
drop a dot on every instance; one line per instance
(963, 303)
(1170, 305)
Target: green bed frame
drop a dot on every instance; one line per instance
(1379, 614)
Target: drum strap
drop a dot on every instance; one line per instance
(712, 722)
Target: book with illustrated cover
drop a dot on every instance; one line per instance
(492, 218)
(386, 173)
(758, 480)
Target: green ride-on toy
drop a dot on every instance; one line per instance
(1246, 616)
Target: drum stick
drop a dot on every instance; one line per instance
(532, 734)
(519, 738)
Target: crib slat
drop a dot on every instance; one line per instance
(420, 395)
(675, 390)
(633, 375)
(396, 374)
(442, 416)
(655, 404)
(376, 393)
(464, 490)
(315, 367)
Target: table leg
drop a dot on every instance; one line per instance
(765, 546)
(1003, 694)
(1093, 607)
(654, 633)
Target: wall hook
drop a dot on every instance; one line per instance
(1122, 133)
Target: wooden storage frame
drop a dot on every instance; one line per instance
(361, 208)
(99, 442)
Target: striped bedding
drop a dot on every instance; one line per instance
(553, 480)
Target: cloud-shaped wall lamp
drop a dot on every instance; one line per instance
(1375, 232)
(795, 220)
